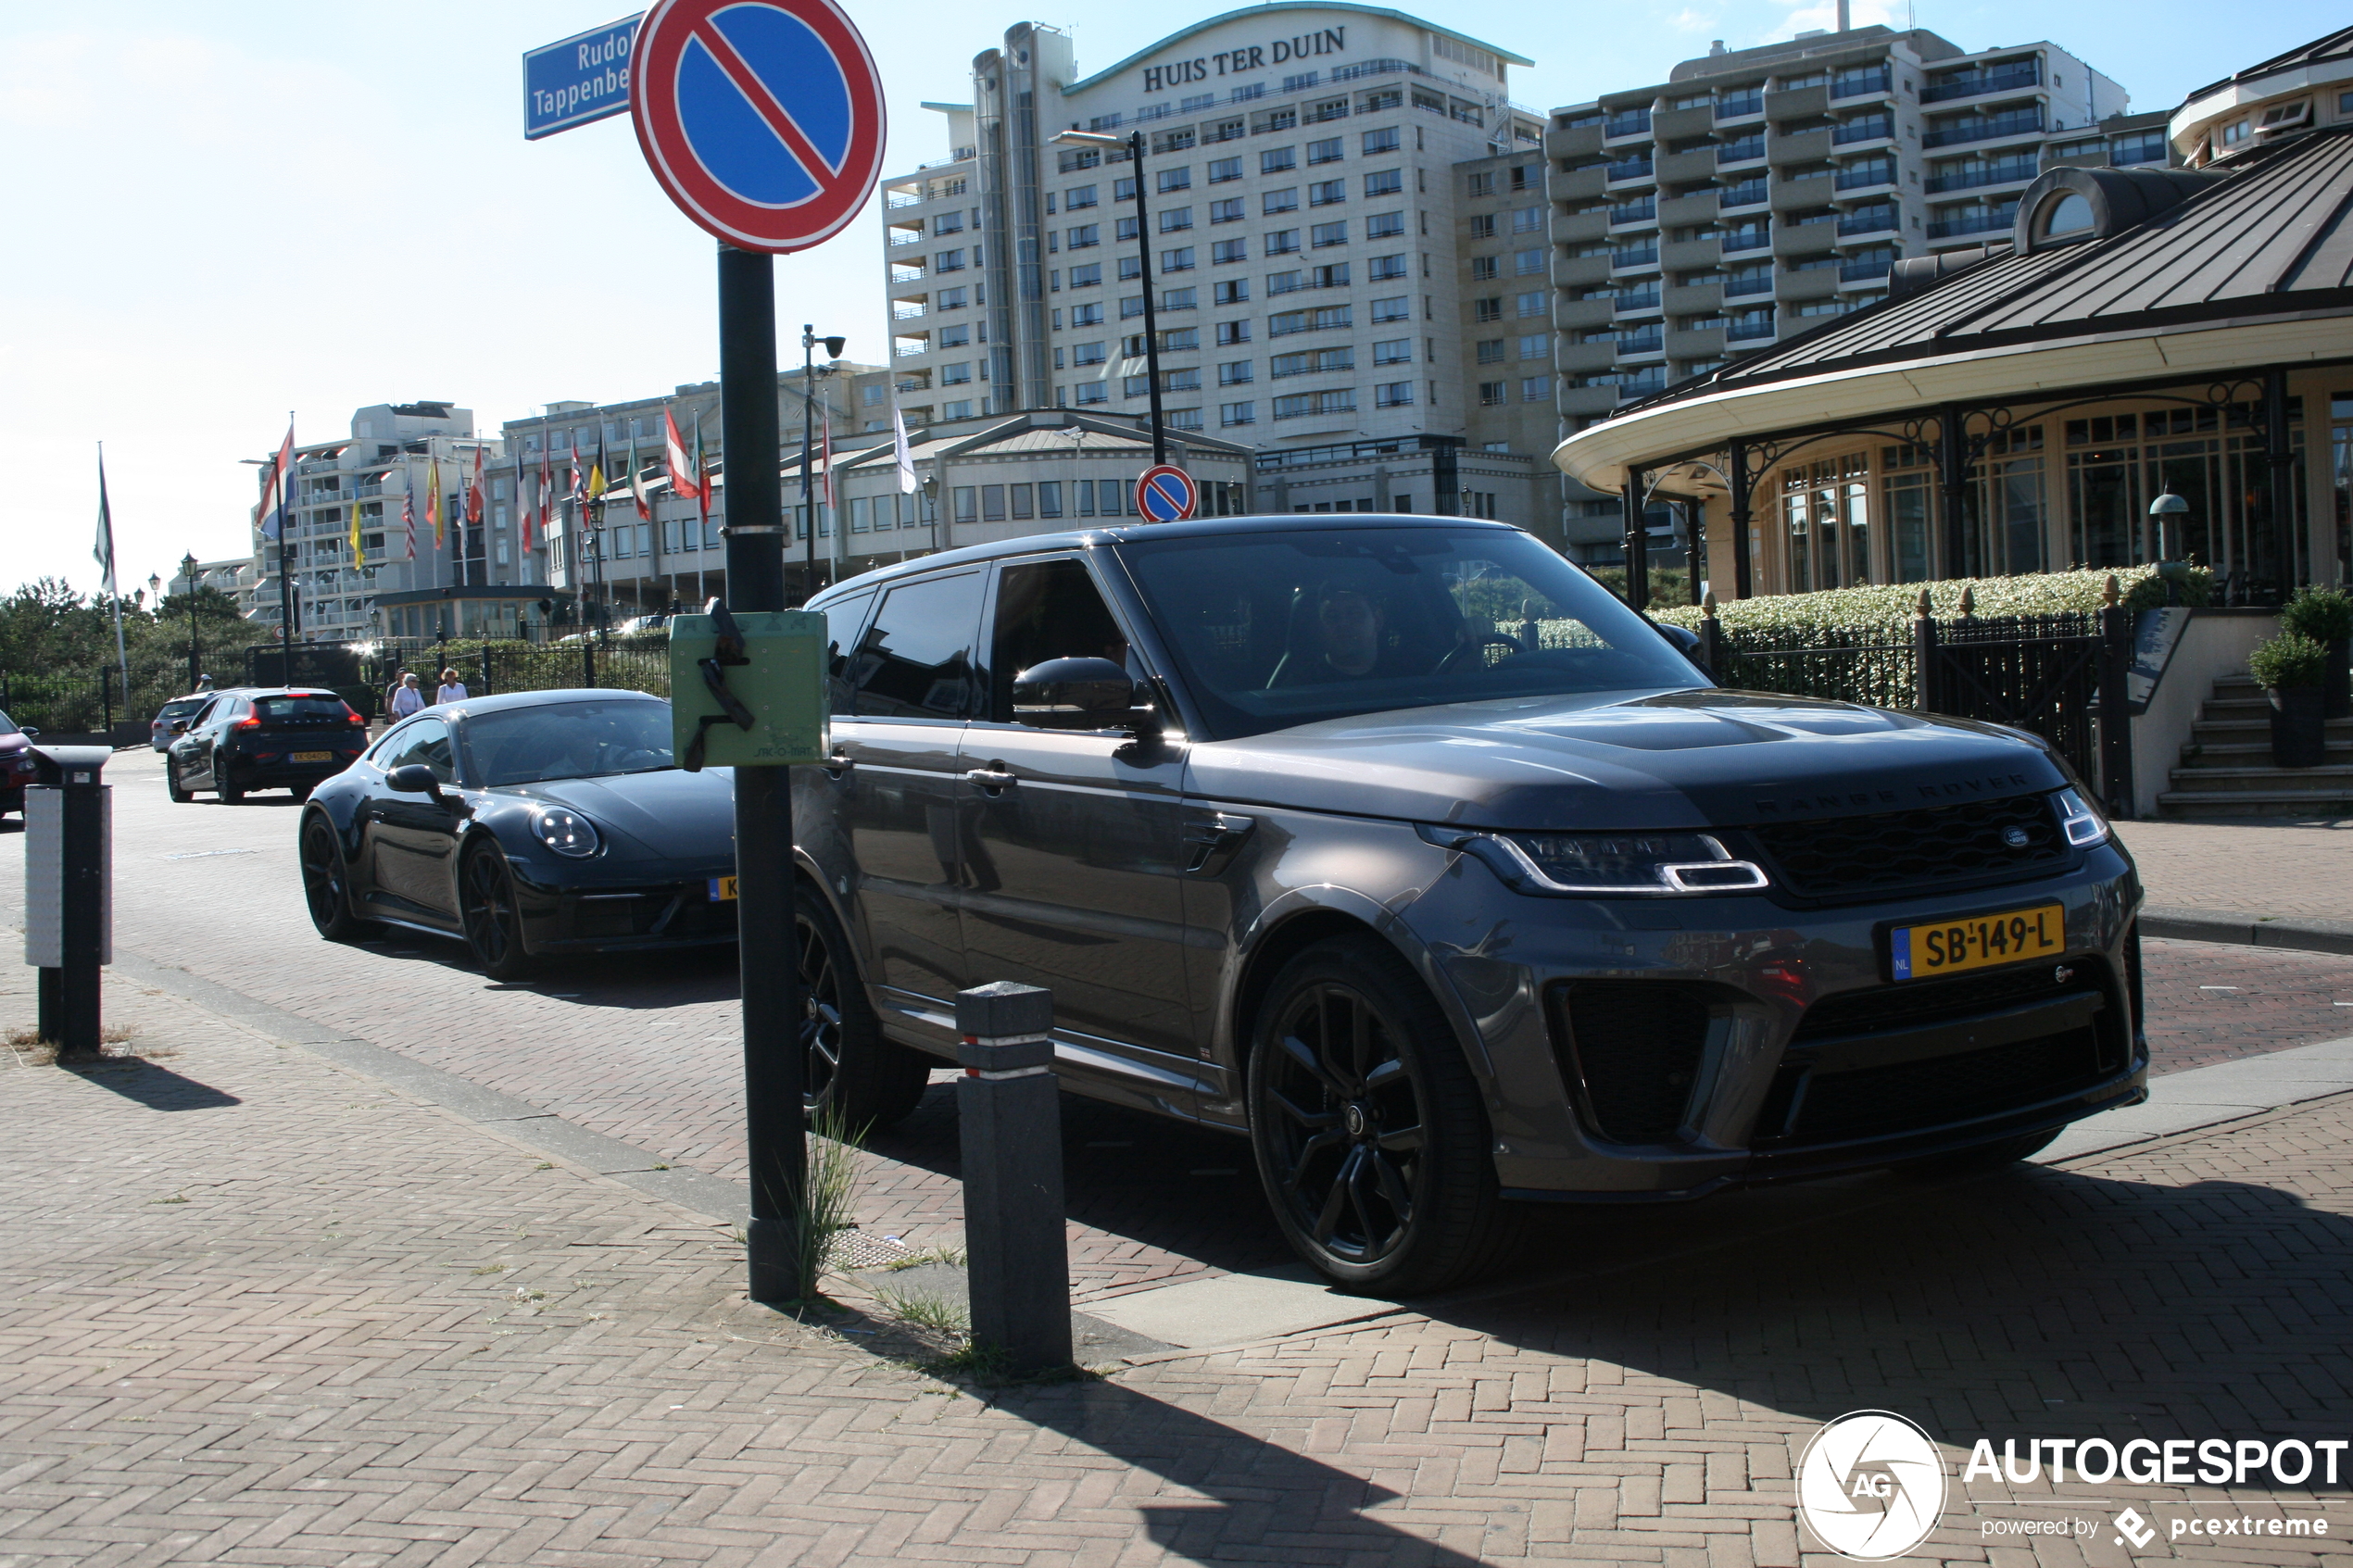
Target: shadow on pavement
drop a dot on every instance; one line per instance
(2027, 1300)
(157, 1088)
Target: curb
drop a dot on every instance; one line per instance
(2245, 929)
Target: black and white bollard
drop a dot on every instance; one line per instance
(68, 892)
(1010, 1105)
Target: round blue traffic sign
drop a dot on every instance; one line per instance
(762, 118)
(1167, 493)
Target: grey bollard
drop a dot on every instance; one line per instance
(1009, 1103)
(68, 928)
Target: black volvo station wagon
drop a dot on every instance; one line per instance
(1402, 847)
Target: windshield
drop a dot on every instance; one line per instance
(1274, 630)
(568, 740)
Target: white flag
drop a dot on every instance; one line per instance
(103, 551)
(905, 458)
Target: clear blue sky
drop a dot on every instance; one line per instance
(221, 212)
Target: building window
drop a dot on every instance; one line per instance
(1174, 218)
(1178, 260)
(1232, 291)
(1325, 152)
(1124, 229)
(1387, 182)
(960, 408)
(1483, 269)
(1340, 400)
(1091, 392)
(1535, 345)
(1284, 200)
(1180, 299)
(1384, 225)
(1132, 306)
(1087, 277)
(1184, 418)
(1399, 308)
(1228, 250)
(1490, 351)
(1393, 395)
(1086, 315)
(1383, 141)
(1528, 263)
(1324, 193)
(1085, 234)
(1535, 389)
(1329, 234)
(1230, 332)
(1131, 268)
(1385, 267)
(1234, 373)
(1283, 282)
(1224, 168)
(953, 375)
(1491, 394)
(1487, 309)
(1393, 351)
(1076, 197)
(1280, 241)
(1238, 413)
(1226, 210)
(1176, 179)
(1187, 379)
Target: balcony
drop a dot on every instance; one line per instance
(1871, 220)
(1857, 84)
(1632, 169)
(1734, 287)
(1749, 330)
(1856, 272)
(905, 312)
(1634, 255)
(1996, 221)
(1645, 212)
(1634, 301)
(1746, 239)
(905, 237)
(1865, 128)
(2002, 79)
(1736, 108)
(1748, 193)
(1742, 151)
(1867, 176)
(1632, 122)
(909, 350)
(903, 198)
(1648, 384)
(2018, 122)
(1640, 343)
(2001, 172)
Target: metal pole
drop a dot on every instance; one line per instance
(2282, 460)
(1952, 459)
(807, 451)
(1744, 517)
(1638, 560)
(1152, 333)
(774, 1132)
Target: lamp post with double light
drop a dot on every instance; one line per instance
(809, 372)
(1133, 143)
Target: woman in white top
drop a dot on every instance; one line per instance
(452, 689)
(405, 698)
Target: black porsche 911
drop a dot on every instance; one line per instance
(529, 826)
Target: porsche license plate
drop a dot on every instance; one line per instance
(314, 756)
(721, 889)
(1916, 952)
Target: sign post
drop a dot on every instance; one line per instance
(763, 119)
(1167, 493)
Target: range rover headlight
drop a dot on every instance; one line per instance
(564, 830)
(1608, 862)
(2081, 821)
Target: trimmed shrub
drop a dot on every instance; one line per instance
(2325, 615)
(2289, 661)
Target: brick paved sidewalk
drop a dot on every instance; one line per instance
(260, 1309)
(2284, 869)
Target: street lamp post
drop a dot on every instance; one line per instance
(809, 342)
(2162, 511)
(1135, 145)
(188, 575)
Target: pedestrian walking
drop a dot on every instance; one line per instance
(405, 698)
(393, 690)
(452, 689)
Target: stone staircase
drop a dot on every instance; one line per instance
(2226, 768)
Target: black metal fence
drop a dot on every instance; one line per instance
(2059, 676)
(635, 663)
(85, 703)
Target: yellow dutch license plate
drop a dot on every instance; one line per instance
(722, 888)
(314, 756)
(1916, 952)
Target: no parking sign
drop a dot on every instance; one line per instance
(762, 118)
(1167, 493)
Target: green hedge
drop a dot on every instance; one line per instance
(1836, 616)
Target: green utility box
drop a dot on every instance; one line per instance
(782, 683)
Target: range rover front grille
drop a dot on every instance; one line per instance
(1938, 846)
(1630, 1051)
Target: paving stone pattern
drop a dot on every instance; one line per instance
(645, 1049)
(2289, 870)
(259, 1309)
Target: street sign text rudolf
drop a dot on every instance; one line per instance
(578, 80)
(762, 118)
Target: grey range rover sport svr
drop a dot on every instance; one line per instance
(1403, 848)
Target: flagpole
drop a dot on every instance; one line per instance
(285, 556)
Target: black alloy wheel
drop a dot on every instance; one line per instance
(326, 886)
(180, 792)
(487, 911)
(1371, 1141)
(855, 1077)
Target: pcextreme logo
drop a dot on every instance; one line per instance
(1871, 1487)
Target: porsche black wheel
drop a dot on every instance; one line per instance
(180, 792)
(856, 1078)
(1371, 1141)
(487, 911)
(326, 886)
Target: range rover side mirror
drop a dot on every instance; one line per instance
(1082, 694)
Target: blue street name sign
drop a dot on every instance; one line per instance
(584, 78)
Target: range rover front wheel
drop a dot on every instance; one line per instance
(1371, 1141)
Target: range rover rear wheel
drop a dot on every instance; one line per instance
(1371, 1141)
(856, 1078)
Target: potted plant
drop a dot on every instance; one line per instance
(2325, 615)
(2290, 668)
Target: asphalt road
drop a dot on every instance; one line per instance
(645, 1049)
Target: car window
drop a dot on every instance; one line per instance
(1047, 610)
(7, 725)
(568, 740)
(845, 618)
(916, 662)
(1276, 629)
(304, 705)
(426, 741)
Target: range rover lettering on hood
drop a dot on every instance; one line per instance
(1893, 799)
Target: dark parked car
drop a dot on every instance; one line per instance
(537, 823)
(17, 766)
(263, 737)
(1404, 847)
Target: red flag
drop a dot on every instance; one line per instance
(702, 475)
(683, 478)
(473, 490)
(277, 473)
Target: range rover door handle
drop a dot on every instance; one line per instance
(991, 779)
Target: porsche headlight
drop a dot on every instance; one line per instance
(1603, 863)
(564, 830)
